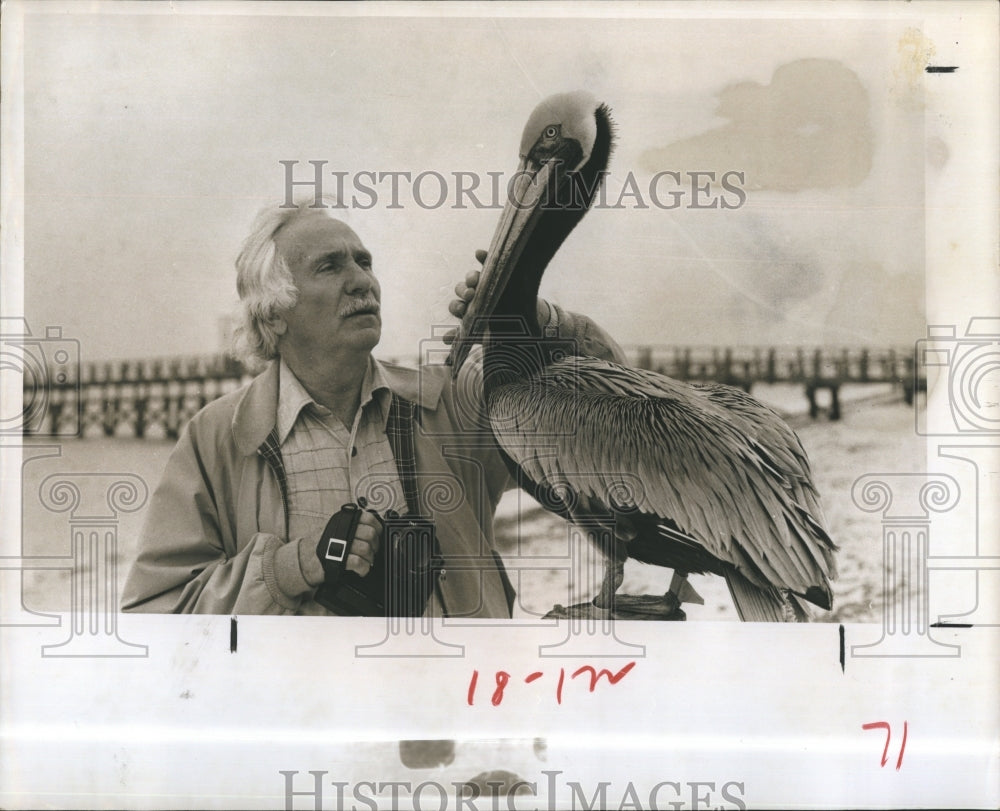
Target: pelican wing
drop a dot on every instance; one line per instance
(729, 474)
(773, 434)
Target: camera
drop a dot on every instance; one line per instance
(966, 370)
(49, 372)
(400, 583)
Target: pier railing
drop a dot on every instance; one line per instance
(138, 398)
(156, 397)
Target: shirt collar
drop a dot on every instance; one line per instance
(293, 397)
(255, 414)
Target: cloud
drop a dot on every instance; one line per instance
(809, 128)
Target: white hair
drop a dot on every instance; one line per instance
(265, 284)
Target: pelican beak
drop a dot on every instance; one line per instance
(526, 195)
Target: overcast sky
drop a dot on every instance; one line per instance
(151, 141)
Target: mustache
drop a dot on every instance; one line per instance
(368, 304)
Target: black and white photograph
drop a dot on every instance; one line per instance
(500, 405)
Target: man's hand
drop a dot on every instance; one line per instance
(464, 291)
(367, 539)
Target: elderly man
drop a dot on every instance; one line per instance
(247, 494)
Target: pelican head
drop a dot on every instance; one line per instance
(564, 152)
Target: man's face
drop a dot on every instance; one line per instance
(338, 303)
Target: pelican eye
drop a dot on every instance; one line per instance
(551, 132)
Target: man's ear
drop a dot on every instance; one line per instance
(279, 325)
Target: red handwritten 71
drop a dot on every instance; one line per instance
(888, 736)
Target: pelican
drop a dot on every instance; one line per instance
(696, 478)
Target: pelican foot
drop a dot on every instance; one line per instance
(657, 605)
(614, 574)
(643, 608)
(629, 607)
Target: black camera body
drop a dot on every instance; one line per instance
(406, 571)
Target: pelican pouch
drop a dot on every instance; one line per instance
(407, 566)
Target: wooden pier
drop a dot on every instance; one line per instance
(156, 397)
(814, 370)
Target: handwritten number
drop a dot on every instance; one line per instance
(502, 678)
(472, 686)
(888, 737)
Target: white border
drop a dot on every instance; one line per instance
(705, 704)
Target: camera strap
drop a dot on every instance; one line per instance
(399, 431)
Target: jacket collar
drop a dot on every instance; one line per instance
(257, 410)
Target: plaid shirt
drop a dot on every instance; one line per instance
(325, 464)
